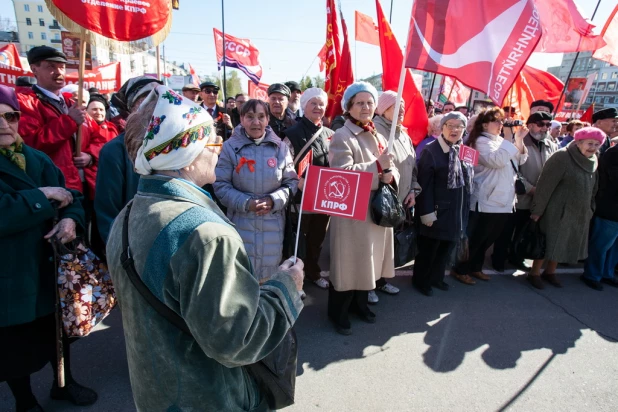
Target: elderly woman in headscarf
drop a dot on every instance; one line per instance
(310, 134)
(255, 180)
(443, 204)
(191, 258)
(116, 179)
(405, 158)
(564, 204)
(32, 193)
(361, 252)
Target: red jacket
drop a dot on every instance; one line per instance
(45, 128)
(108, 130)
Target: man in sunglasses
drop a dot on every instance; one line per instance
(540, 147)
(223, 122)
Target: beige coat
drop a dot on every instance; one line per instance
(361, 252)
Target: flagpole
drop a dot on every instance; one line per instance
(223, 86)
(470, 99)
(355, 58)
(158, 54)
(402, 80)
(433, 81)
(300, 214)
(390, 17)
(566, 83)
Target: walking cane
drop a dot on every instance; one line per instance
(59, 325)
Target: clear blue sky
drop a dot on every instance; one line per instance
(290, 33)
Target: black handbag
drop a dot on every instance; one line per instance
(520, 187)
(386, 209)
(289, 233)
(530, 244)
(405, 241)
(275, 374)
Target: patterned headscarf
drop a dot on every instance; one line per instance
(177, 133)
(14, 153)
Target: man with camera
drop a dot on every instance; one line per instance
(540, 148)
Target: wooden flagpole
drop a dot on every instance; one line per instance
(158, 55)
(80, 87)
(300, 215)
(402, 80)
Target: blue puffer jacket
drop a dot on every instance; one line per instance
(266, 169)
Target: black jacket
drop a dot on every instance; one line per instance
(235, 115)
(451, 206)
(607, 195)
(222, 129)
(279, 126)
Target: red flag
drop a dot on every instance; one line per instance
(609, 53)
(240, 54)
(195, 79)
(322, 57)
(587, 116)
(105, 78)
(366, 29)
(533, 84)
(10, 56)
(482, 43)
(415, 118)
(345, 76)
(336, 192)
(333, 58)
(564, 29)
(258, 91)
(455, 91)
(9, 74)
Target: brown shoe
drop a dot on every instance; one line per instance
(480, 275)
(465, 279)
(535, 281)
(552, 279)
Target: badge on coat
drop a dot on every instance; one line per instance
(272, 162)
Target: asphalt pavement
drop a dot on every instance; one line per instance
(496, 346)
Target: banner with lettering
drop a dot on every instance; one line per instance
(9, 74)
(105, 78)
(240, 54)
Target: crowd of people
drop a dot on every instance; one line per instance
(200, 194)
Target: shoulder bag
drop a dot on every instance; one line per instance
(520, 187)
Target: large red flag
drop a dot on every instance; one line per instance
(609, 53)
(564, 29)
(345, 75)
(10, 56)
(415, 118)
(365, 29)
(333, 59)
(533, 84)
(240, 54)
(482, 43)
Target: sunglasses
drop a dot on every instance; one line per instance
(11, 117)
(210, 91)
(543, 124)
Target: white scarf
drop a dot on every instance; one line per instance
(177, 133)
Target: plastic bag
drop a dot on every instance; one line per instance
(386, 210)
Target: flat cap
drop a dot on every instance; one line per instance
(190, 86)
(42, 53)
(279, 88)
(539, 117)
(209, 84)
(293, 86)
(610, 113)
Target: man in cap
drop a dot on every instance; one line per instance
(49, 120)
(191, 92)
(240, 98)
(278, 99)
(116, 179)
(540, 146)
(223, 122)
(294, 108)
(541, 106)
(607, 121)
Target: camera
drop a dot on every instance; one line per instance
(513, 123)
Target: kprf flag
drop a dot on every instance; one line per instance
(482, 43)
(105, 78)
(258, 91)
(240, 54)
(564, 28)
(337, 192)
(10, 56)
(415, 117)
(365, 29)
(609, 52)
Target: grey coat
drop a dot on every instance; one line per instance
(564, 199)
(531, 170)
(273, 175)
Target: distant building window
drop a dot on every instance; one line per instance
(26, 7)
(601, 87)
(614, 75)
(55, 23)
(43, 36)
(604, 76)
(28, 21)
(41, 22)
(57, 36)
(30, 35)
(40, 9)
(611, 86)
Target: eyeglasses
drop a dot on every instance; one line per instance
(11, 117)
(452, 127)
(210, 91)
(543, 124)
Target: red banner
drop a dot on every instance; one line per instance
(337, 192)
(333, 59)
(304, 164)
(105, 78)
(258, 91)
(533, 84)
(240, 54)
(452, 37)
(10, 56)
(366, 30)
(566, 115)
(9, 74)
(609, 53)
(123, 20)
